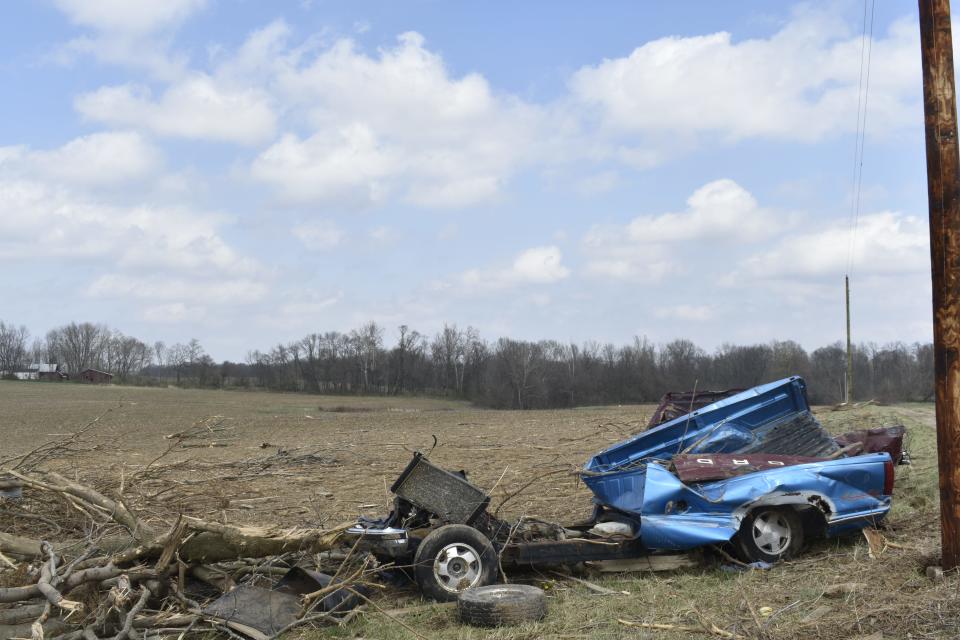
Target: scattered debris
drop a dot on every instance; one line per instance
(10, 488)
(935, 574)
(749, 464)
(876, 543)
(843, 589)
(590, 585)
(652, 562)
(711, 629)
(815, 615)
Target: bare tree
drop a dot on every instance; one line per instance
(367, 343)
(79, 346)
(160, 352)
(13, 346)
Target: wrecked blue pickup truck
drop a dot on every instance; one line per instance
(754, 473)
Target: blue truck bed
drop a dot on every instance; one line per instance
(632, 477)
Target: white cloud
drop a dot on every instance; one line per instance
(538, 265)
(309, 306)
(320, 234)
(98, 159)
(393, 125)
(685, 312)
(196, 107)
(886, 243)
(801, 83)
(130, 34)
(719, 209)
(162, 288)
(39, 220)
(173, 313)
(644, 250)
(126, 16)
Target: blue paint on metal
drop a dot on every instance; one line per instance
(631, 477)
(723, 427)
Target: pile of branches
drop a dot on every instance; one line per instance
(77, 562)
(133, 576)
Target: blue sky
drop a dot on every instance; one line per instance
(248, 172)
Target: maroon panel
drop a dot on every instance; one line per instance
(877, 440)
(674, 404)
(701, 467)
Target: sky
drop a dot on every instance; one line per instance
(246, 173)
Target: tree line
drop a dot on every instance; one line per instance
(459, 363)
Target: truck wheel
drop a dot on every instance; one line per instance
(452, 559)
(502, 605)
(769, 534)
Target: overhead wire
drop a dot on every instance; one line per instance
(863, 95)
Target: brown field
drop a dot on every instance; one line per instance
(319, 461)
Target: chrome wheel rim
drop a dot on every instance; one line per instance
(771, 532)
(457, 567)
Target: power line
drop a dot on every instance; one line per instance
(863, 95)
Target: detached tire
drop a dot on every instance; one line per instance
(502, 605)
(451, 560)
(770, 534)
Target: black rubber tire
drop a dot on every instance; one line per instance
(752, 552)
(502, 605)
(441, 538)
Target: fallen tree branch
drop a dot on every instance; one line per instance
(661, 626)
(134, 610)
(115, 508)
(48, 573)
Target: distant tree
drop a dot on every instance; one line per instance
(367, 343)
(828, 366)
(13, 346)
(79, 346)
(160, 352)
(681, 365)
(741, 366)
(521, 364)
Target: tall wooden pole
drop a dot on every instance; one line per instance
(943, 192)
(849, 389)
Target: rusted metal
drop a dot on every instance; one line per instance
(704, 467)
(943, 192)
(877, 440)
(674, 404)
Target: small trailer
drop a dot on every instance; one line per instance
(754, 472)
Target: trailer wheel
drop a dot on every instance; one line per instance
(770, 534)
(502, 605)
(452, 559)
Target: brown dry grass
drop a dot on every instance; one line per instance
(367, 441)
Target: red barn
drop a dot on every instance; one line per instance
(95, 376)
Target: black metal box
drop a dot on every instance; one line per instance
(447, 495)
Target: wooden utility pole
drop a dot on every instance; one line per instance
(943, 192)
(848, 393)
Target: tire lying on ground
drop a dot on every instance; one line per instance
(502, 605)
(452, 559)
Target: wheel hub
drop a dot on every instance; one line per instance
(771, 533)
(457, 567)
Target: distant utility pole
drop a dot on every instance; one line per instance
(943, 192)
(848, 395)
